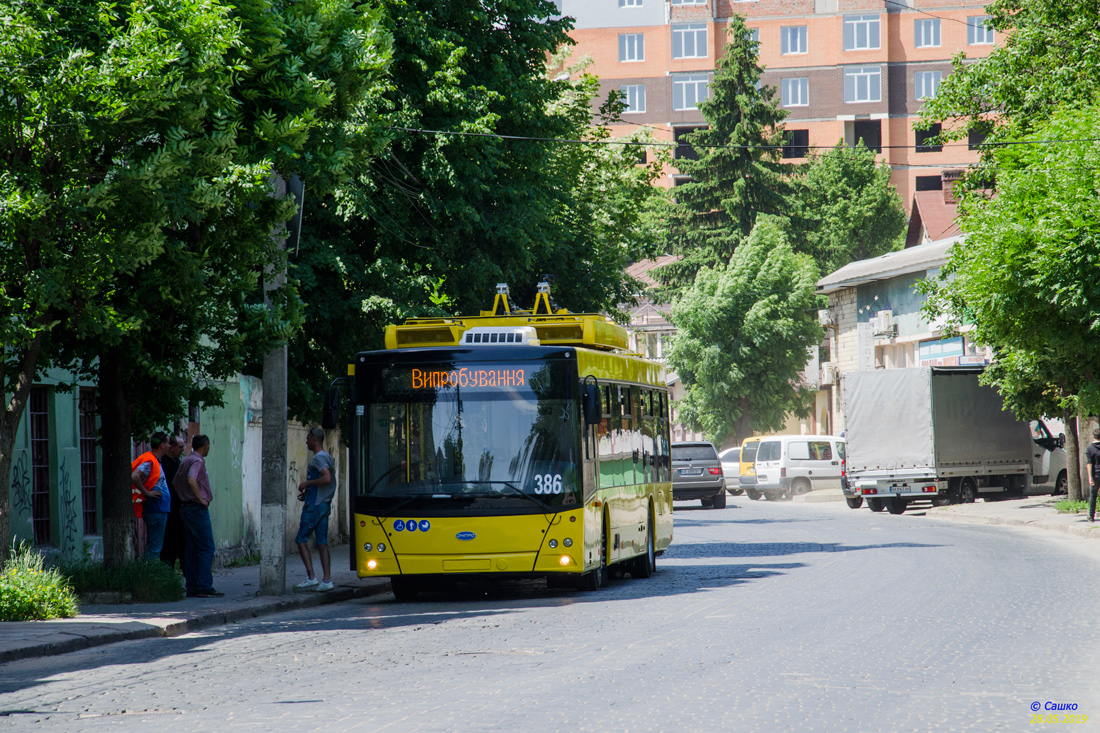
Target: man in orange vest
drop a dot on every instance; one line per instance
(149, 491)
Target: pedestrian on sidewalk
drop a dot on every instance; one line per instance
(1092, 457)
(316, 494)
(174, 532)
(149, 491)
(193, 487)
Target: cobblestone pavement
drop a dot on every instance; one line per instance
(762, 616)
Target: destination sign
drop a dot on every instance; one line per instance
(476, 377)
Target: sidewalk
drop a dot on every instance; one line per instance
(105, 624)
(1036, 512)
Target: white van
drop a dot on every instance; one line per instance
(787, 465)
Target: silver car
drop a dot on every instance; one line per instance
(697, 474)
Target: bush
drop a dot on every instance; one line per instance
(28, 591)
(147, 581)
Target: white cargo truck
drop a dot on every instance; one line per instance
(935, 434)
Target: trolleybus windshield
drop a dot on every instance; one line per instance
(476, 435)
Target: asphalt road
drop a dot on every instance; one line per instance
(762, 616)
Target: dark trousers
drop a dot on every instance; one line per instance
(175, 539)
(199, 555)
(1092, 500)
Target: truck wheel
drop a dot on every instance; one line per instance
(875, 505)
(753, 494)
(800, 486)
(734, 492)
(772, 495)
(854, 502)
(896, 506)
(967, 491)
(719, 501)
(1061, 486)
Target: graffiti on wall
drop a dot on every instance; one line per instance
(70, 532)
(21, 487)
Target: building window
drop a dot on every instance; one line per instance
(683, 149)
(796, 143)
(869, 132)
(795, 92)
(929, 183)
(689, 2)
(688, 90)
(88, 463)
(754, 35)
(631, 47)
(792, 39)
(978, 31)
(925, 84)
(975, 138)
(634, 96)
(863, 84)
(926, 32)
(861, 32)
(689, 41)
(923, 136)
(40, 465)
(630, 3)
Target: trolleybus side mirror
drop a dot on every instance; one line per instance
(593, 412)
(330, 416)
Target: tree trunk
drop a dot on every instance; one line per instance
(743, 427)
(1073, 475)
(9, 423)
(117, 435)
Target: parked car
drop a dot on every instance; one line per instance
(697, 474)
(790, 465)
(747, 475)
(731, 469)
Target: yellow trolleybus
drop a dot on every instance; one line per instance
(514, 444)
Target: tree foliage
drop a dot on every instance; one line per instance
(738, 174)
(743, 334)
(845, 209)
(438, 219)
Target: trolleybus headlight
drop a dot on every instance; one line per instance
(565, 560)
(553, 544)
(567, 542)
(366, 547)
(372, 564)
(381, 546)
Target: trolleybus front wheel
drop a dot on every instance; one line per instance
(597, 578)
(404, 589)
(645, 565)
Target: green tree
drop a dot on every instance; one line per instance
(439, 219)
(744, 332)
(738, 174)
(1026, 276)
(845, 208)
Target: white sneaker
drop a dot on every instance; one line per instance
(324, 585)
(307, 583)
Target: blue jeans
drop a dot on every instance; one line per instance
(198, 555)
(155, 522)
(314, 521)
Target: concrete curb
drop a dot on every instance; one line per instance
(1077, 530)
(86, 633)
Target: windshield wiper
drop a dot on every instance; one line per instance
(516, 489)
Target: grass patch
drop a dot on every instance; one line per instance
(252, 558)
(147, 581)
(29, 591)
(1065, 506)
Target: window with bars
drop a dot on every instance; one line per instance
(40, 465)
(88, 461)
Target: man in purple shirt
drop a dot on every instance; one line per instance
(193, 486)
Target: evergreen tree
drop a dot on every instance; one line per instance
(738, 174)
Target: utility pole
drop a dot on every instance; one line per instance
(273, 476)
